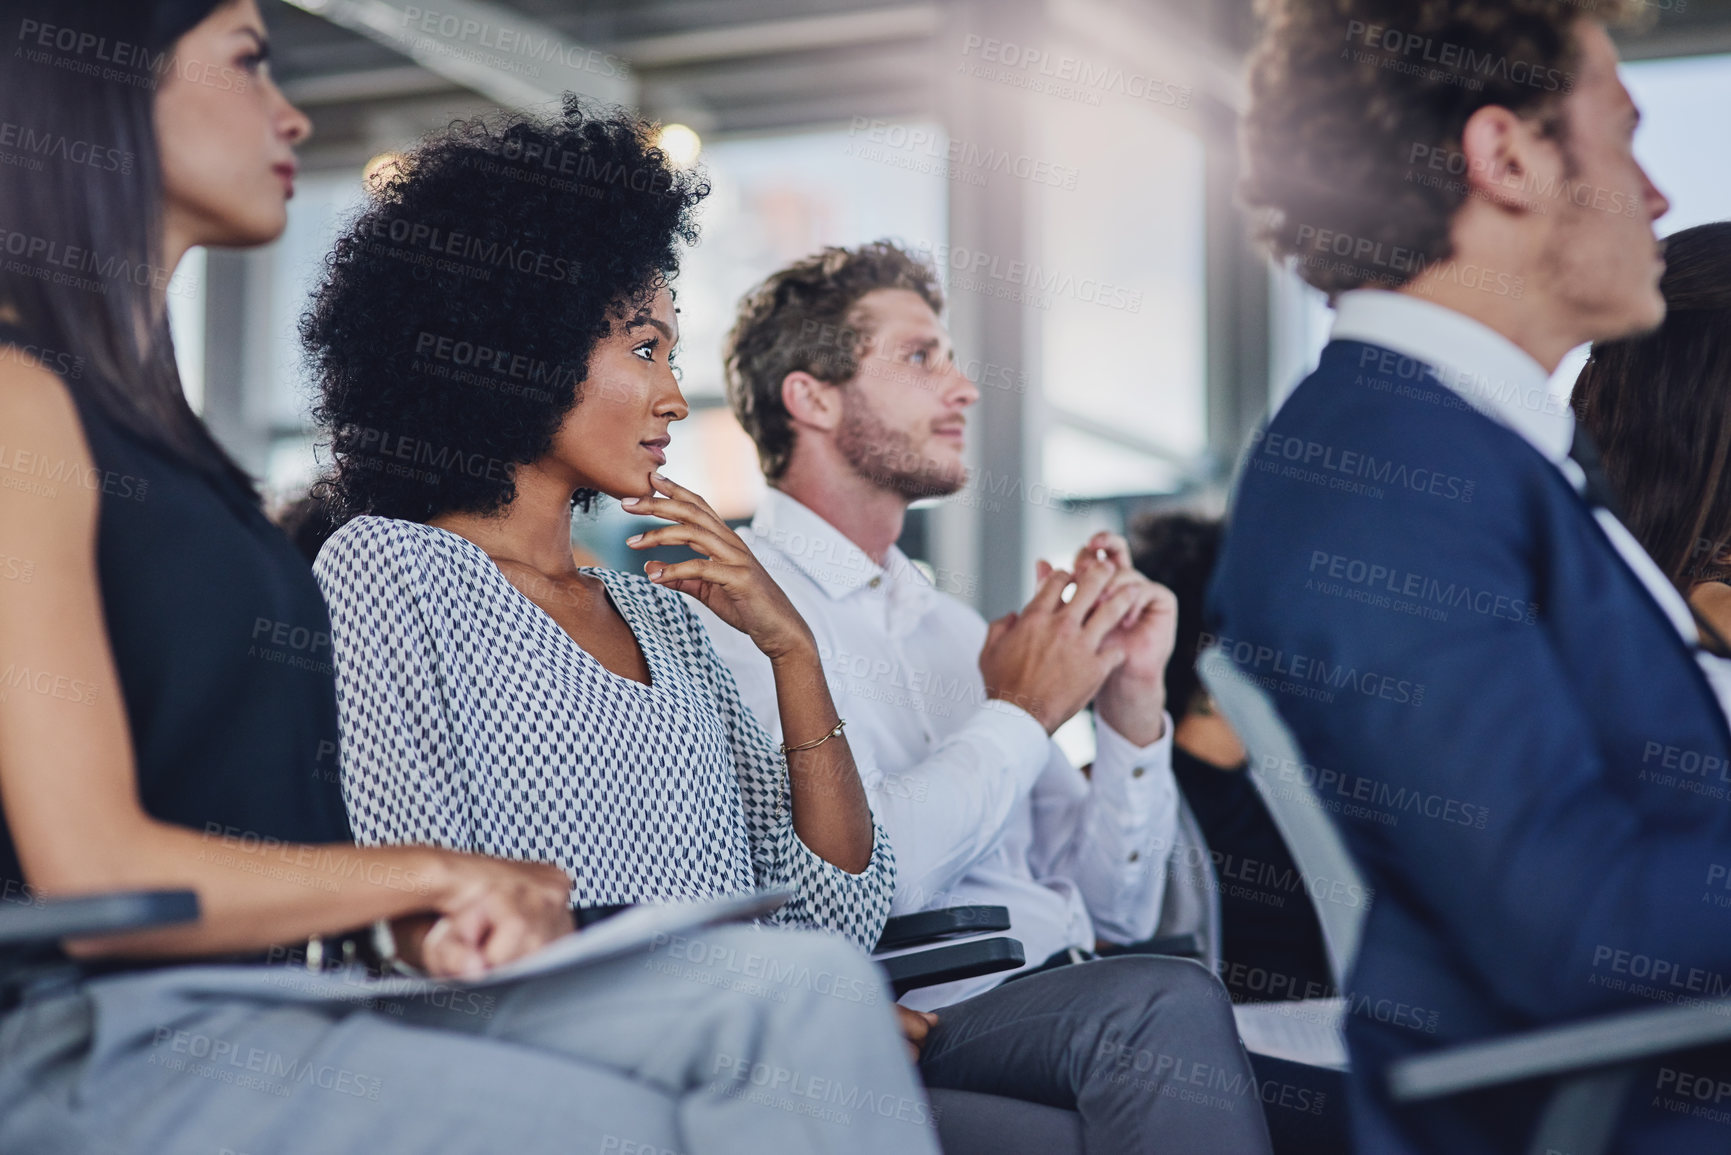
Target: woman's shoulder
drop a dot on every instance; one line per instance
(49, 448)
(35, 402)
(378, 553)
(362, 540)
(396, 535)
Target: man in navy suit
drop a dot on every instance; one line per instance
(1501, 700)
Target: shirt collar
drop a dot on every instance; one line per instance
(1490, 372)
(822, 552)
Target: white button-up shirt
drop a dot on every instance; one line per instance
(980, 805)
(1499, 379)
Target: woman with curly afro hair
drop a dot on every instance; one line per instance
(494, 337)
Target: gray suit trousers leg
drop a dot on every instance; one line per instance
(743, 1042)
(774, 1040)
(1144, 1048)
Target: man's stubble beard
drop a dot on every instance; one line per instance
(1572, 266)
(889, 458)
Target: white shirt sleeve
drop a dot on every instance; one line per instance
(947, 812)
(1111, 832)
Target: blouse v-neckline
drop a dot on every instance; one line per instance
(623, 606)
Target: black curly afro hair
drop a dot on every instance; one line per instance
(452, 328)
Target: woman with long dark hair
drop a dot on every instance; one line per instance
(1659, 407)
(168, 719)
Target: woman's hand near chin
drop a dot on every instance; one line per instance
(728, 579)
(830, 814)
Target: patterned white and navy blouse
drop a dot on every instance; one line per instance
(471, 720)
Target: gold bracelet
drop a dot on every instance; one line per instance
(786, 749)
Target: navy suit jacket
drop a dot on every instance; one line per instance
(1517, 745)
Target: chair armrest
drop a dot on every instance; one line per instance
(925, 926)
(60, 918)
(1604, 1041)
(588, 916)
(947, 964)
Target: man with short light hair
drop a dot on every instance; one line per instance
(841, 371)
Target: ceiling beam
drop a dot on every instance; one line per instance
(368, 84)
(488, 48)
(1151, 43)
(767, 37)
(1695, 40)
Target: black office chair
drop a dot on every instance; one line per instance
(951, 963)
(970, 1123)
(44, 922)
(911, 971)
(26, 928)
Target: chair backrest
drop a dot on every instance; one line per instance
(1191, 904)
(1336, 887)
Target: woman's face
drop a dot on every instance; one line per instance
(616, 435)
(226, 135)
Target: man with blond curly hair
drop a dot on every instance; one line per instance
(1494, 684)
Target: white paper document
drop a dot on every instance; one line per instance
(628, 932)
(1307, 1031)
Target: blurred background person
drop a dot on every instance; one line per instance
(1271, 942)
(1271, 945)
(1659, 406)
(306, 519)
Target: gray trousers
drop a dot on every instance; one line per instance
(735, 1042)
(1143, 1048)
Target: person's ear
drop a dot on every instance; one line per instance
(1509, 162)
(811, 403)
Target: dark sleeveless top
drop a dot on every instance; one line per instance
(220, 639)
